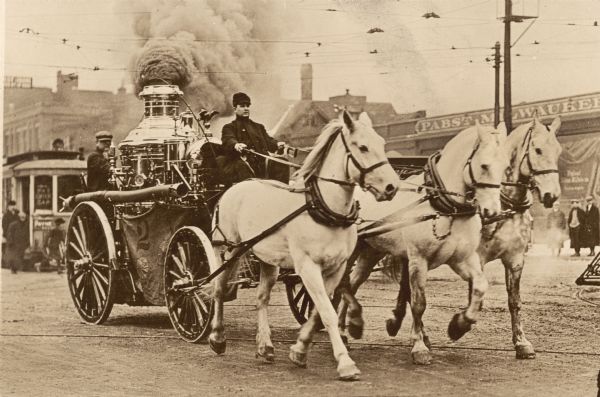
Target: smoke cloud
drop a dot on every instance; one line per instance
(209, 48)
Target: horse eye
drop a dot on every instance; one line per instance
(485, 167)
(538, 151)
(363, 148)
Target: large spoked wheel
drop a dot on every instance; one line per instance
(299, 300)
(90, 254)
(189, 260)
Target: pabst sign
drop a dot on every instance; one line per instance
(520, 113)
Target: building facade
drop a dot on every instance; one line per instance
(36, 118)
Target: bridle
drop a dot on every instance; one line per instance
(350, 158)
(475, 184)
(528, 180)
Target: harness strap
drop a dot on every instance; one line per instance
(320, 211)
(241, 248)
(440, 201)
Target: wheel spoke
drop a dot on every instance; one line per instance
(100, 276)
(100, 264)
(199, 314)
(72, 244)
(76, 275)
(78, 237)
(81, 286)
(178, 263)
(82, 231)
(182, 256)
(96, 292)
(176, 275)
(201, 302)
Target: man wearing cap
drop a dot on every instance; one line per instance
(98, 167)
(54, 244)
(590, 233)
(243, 133)
(574, 221)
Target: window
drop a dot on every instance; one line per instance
(68, 185)
(43, 193)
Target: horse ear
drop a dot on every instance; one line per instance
(501, 129)
(365, 119)
(481, 132)
(555, 126)
(347, 119)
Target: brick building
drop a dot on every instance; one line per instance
(35, 118)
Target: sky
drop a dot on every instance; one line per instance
(435, 64)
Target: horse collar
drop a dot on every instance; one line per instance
(320, 211)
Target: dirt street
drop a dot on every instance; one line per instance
(47, 351)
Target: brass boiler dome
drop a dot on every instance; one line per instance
(161, 117)
(155, 151)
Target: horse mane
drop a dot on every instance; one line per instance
(315, 158)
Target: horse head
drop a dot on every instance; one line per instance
(539, 163)
(367, 163)
(486, 166)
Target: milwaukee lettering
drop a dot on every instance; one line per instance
(520, 113)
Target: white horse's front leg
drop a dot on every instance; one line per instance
(417, 269)
(268, 277)
(319, 290)
(513, 267)
(216, 339)
(470, 271)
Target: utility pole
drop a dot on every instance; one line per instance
(497, 85)
(507, 71)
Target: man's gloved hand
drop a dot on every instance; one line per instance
(281, 145)
(240, 147)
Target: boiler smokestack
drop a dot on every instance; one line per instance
(306, 80)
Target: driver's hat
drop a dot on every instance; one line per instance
(103, 136)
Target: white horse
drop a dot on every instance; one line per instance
(316, 244)
(472, 162)
(533, 151)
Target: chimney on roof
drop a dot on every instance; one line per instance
(306, 80)
(347, 91)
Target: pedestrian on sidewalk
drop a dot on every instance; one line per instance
(576, 216)
(11, 215)
(17, 242)
(590, 232)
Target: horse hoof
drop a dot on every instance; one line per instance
(217, 347)
(392, 327)
(422, 357)
(524, 352)
(349, 373)
(298, 358)
(268, 354)
(355, 328)
(426, 341)
(458, 326)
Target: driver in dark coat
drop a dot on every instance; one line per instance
(244, 133)
(98, 167)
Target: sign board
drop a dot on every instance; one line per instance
(43, 223)
(520, 113)
(579, 168)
